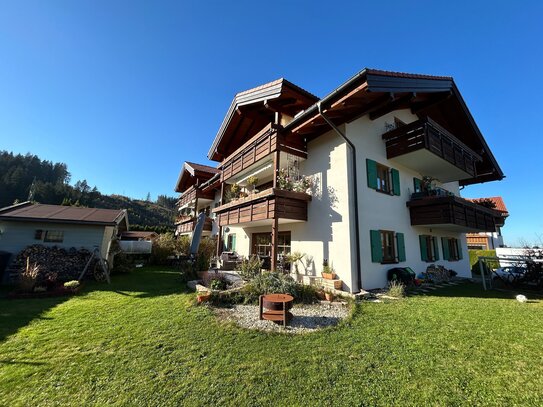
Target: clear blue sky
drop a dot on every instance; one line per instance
(125, 91)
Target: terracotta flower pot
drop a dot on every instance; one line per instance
(203, 297)
(329, 276)
(329, 296)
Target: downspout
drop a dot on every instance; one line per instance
(357, 283)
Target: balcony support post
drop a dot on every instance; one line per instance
(274, 239)
(276, 166)
(219, 242)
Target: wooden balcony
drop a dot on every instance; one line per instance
(431, 150)
(259, 147)
(287, 206)
(188, 225)
(453, 213)
(191, 194)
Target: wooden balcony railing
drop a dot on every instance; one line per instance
(267, 204)
(189, 225)
(259, 147)
(191, 194)
(453, 212)
(427, 134)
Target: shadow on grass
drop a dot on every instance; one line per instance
(15, 314)
(475, 290)
(143, 283)
(140, 283)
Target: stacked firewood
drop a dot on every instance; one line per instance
(62, 264)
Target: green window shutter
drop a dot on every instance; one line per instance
(445, 244)
(376, 249)
(395, 181)
(436, 248)
(423, 248)
(417, 184)
(233, 248)
(400, 241)
(459, 246)
(371, 167)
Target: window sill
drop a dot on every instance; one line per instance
(389, 262)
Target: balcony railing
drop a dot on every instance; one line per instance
(425, 134)
(259, 147)
(452, 212)
(191, 194)
(188, 225)
(264, 205)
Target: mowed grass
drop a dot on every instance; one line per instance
(142, 341)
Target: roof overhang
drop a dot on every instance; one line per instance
(376, 93)
(255, 108)
(193, 174)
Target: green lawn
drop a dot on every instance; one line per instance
(142, 341)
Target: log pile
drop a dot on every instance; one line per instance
(67, 264)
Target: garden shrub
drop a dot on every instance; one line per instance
(166, 245)
(250, 268)
(396, 289)
(269, 283)
(206, 251)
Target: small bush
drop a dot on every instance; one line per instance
(206, 251)
(166, 245)
(269, 283)
(396, 289)
(216, 282)
(29, 278)
(249, 269)
(306, 294)
(71, 284)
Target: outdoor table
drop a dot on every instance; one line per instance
(275, 307)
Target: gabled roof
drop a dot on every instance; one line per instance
(376, 92)
(498, 202)
(192, 173)
(27, 211)
(255, 108)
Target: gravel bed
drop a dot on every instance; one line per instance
(306, 318)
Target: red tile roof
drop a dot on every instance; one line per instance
(62, 214)
(497, 200)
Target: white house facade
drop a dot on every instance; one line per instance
(365, 179)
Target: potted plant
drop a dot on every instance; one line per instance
(235, 190)
(329, 295)
(251, 182)
(328, 272)
(203, 296)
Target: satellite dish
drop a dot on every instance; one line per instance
(227, 229)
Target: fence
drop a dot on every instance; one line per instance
(136, 246)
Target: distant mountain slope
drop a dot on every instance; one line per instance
(27, 177)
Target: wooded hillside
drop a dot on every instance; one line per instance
(27, 177)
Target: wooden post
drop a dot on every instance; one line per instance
(219, 241)
(274, 239)
(276, 166)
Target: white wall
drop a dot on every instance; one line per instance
(389, 212)
(18, 235)
(327, 234)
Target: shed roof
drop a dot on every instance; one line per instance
(27, 211)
